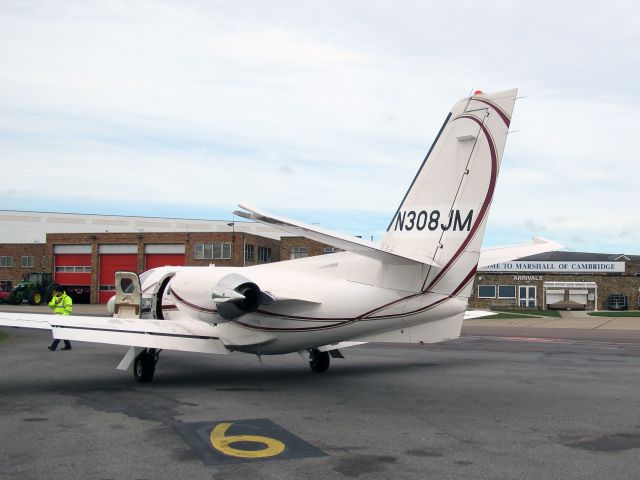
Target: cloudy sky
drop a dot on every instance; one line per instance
(320, 111)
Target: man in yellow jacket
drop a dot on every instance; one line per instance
(61, 304)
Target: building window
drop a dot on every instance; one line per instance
(70, 269)
(27, 261)
(213, 251)
(506, 291)
(6, 261)
(298, 252)
(486, 291)
(248, 252)
(526, 296)
(264, 254)
(331, 250)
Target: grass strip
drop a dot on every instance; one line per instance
(530, 313)
(616, 313)
(508, 316)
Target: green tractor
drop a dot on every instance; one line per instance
(35, 288)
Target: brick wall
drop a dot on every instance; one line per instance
(287, 243)
(189, 240)
(607, 285)
(257, 242)
(17, 250)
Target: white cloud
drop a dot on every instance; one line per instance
(324, 105)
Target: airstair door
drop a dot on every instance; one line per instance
(128, 295)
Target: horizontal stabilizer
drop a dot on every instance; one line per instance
(282, 295)
(338, 240)
(492, 256)
(226, 294)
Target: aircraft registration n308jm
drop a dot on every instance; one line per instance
(412, 286)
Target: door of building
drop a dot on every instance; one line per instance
(109, 265)
(579, 296)
(554, 296)
(527, 296)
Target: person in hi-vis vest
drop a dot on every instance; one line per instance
(61, 304)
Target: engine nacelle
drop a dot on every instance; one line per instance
(235, 295)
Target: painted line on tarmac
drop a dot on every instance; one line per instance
(551, 340)
(240, 441)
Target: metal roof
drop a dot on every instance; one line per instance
(33, 227)
(562, 256)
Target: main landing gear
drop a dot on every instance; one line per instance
(319, 361)
(144, 365)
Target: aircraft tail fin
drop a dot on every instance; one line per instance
(444, 212)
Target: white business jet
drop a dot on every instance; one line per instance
(411, 287)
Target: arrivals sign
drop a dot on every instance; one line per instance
(555, 267)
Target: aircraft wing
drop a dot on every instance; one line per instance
(338, 240)
(160, 334)
(491, 256)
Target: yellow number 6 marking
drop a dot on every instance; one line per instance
(222, 443)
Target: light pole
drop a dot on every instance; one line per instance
(232, 224)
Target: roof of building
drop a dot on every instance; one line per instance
(33, 227)
(562, 256)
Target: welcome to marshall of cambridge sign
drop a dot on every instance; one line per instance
(556, 267)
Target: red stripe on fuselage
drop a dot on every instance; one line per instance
(192, 305)
(485, 206)
(505, 118)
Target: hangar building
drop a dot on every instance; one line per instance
(82, 252)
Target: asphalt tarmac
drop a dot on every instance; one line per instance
(481, 407)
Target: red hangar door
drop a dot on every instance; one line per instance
(163, 254)
(72, 270)
(114, 258)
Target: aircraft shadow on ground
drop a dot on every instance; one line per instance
(222, 376)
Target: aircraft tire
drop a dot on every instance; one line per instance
(319, 361)
(144, 367)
